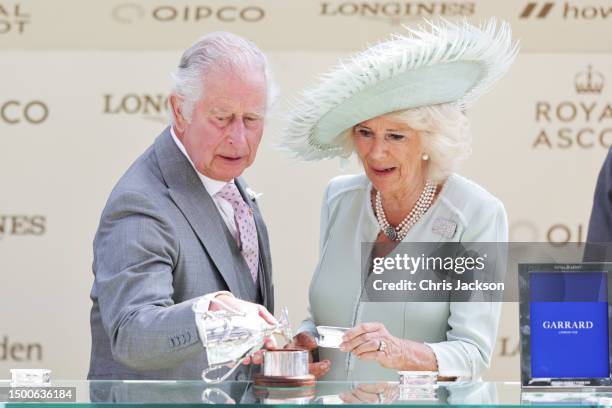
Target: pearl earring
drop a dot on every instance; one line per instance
(425, 156)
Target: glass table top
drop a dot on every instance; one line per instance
(324, 393)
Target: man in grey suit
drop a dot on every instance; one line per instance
(181, 229)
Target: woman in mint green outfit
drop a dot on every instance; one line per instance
(399, 106)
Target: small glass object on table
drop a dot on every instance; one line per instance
(418, 385)
(30, 377)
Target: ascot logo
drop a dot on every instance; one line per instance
(13, 18)
(395, 12)
(568, 325)
(128, 13)
(584, 121)
(153, 107)
(589, 81)
(22, 225)
(15, 112)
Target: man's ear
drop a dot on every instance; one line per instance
(180, 123)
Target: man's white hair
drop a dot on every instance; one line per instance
(445, 136)
(217, 50)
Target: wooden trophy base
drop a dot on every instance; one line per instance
(282, 381)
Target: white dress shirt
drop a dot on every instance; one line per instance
(213, 187)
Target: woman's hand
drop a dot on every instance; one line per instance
(372, 341)
(304, 341)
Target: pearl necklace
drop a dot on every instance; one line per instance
(420, 208)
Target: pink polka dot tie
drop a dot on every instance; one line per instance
(246, 226)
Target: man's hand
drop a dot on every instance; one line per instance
(304, 341)
(232, 304)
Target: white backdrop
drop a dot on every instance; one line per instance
(76, 110)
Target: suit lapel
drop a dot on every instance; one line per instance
(190, 196)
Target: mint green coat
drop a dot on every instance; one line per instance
(461, 335)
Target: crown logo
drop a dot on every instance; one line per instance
(589, 81)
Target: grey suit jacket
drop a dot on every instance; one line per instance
(161, 244)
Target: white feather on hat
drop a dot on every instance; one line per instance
(449, 63)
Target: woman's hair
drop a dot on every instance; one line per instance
(445, 136)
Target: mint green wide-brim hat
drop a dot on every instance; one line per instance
(442, 63)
